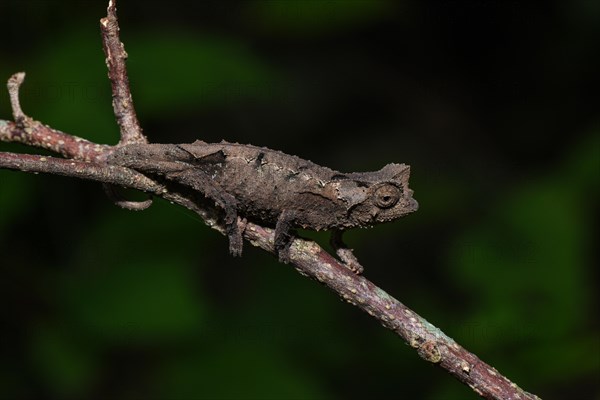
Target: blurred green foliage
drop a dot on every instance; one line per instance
(504, 147)
(195, 71)
(537, 245)
(307, 18)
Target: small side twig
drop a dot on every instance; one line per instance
(13, 85)
(33, 133)
(131, 132)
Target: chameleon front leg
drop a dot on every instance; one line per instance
(283, 234)
(283, 241)
(202, 183)
(344, 253)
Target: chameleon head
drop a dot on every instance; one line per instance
(380, 196)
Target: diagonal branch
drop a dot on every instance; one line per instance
(431, 343)
(87, 160)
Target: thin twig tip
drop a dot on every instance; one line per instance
(16, 79)
(112, 5)
(13, 85)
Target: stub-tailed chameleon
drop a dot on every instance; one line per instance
(275, 189)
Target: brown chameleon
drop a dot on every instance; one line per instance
(275, 189)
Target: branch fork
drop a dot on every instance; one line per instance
(86, 160)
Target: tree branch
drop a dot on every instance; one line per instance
(33, 133)
(431, 343)
(87, 160)
(131, 132)
(104, 173)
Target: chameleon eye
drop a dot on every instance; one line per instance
(387, 196)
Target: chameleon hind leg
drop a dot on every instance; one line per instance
(284, 235)
(202, 183)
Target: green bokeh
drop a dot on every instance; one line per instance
(100, 302)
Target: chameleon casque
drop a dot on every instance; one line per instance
(275, 189)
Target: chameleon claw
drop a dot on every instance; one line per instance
(236, 240)
(344, 253)
(349, 260)
(242, 223)
(236, 244)
(284, 255)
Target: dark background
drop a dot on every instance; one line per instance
(490, 102)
